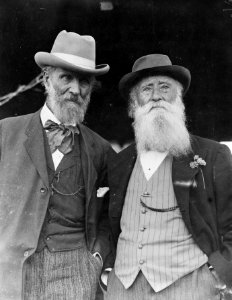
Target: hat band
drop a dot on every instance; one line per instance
(76, 60)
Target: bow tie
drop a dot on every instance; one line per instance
(60, 136)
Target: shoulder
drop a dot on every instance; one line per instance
(130, 149)
(210, 147)
(92, 137)
(16, 122)
(204, 143)
(13, 130)
(123, 158)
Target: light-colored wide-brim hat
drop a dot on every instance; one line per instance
(151, 65)
(73, 52)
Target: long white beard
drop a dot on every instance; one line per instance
(162, 129)
(68, 111)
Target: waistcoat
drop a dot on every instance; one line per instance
(157, 243)
(63, 228)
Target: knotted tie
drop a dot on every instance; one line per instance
(60, 136)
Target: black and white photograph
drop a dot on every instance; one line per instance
(115, 150)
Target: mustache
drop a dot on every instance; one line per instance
(153, 105)
(76, 99)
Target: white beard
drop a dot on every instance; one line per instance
(162, 129)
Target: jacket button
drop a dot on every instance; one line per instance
(26, 253)
(42, 190)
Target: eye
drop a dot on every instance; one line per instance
(66, 77)
(146, 88)
(164, 87)
(84, 81)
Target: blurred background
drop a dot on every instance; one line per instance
(196, 34)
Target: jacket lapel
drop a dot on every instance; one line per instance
(88, 169)
(120, 168)
(184, 177)
(35, 146)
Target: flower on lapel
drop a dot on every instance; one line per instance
(198, 161)
(102, 191)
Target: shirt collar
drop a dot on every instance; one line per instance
(46, 114)
(153, 155)
(150, 162)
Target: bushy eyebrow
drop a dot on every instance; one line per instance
(146, 84)
(166, 82)
(65, 73)
(150, 84)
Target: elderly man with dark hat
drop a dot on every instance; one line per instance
(170, 197)
(53, 213)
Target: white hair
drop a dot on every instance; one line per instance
(70, 112)
(133, 103)
(160, 129)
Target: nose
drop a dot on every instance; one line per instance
(156, 96)
(75, 86)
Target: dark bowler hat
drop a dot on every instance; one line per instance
(150, 65)
(73, 52)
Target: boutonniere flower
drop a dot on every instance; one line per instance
(198, 161)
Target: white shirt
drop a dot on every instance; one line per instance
(45, 115)
(150, 161)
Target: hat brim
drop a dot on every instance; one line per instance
(178, 73)
(44, 59)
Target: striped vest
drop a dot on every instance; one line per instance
(157, 243)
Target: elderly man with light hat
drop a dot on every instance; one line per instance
(53, 213)
(170, 197)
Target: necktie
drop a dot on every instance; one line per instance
(60, 136)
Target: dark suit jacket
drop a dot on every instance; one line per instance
(204, 195)
(25, 192)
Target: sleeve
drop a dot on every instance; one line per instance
(221, 260)
(102, 244)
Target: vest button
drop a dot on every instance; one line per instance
(140, 246)
(43, 190)
(146, 194)
(48, 238)
(142, 228)
(141, 261)
(26, 253)
(144, 210)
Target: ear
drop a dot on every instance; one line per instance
(46, 77)
(46, 80)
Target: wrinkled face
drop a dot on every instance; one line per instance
(68, 95)
(69, 85)
(156, 88)
(159, 117)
